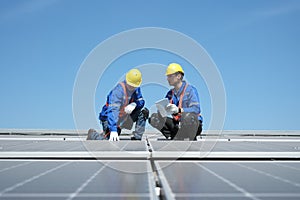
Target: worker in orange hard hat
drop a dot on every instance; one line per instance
(124, 106)
(184, 107)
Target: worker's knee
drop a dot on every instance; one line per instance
(145, 113)
(155, 121)
(189, 119)
(190, 127)
(140, 114)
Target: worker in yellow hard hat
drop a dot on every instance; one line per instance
(184, 107)
(124, 106)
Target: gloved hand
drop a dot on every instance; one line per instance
(129, 108)
(172, 108)
(114, 136)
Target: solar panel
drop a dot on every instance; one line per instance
(61, 179)
(225, 149)
(229, 179)
(72, 149)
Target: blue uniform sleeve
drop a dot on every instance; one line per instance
(138, 99)
(169, 95)
(191, 101)
(115, 100)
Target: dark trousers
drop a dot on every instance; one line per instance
(188, 127)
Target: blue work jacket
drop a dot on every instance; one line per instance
(190, 98)
(116, 101)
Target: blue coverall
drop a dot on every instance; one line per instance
(187, 124)
(112, 115)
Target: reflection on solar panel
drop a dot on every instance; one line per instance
(230, 179)
(79, 179)
(58, 165)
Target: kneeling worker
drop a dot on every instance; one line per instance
(184, 105)
(124, 106)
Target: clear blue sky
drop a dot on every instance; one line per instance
(254, 43)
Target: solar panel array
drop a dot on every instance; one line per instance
(226, 167)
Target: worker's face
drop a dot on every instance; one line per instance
(173, 79)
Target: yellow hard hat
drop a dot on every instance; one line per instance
(134, 78)
(173, 68)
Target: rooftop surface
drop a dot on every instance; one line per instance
(61, 164)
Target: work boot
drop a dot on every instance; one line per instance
(91, 132)
(166, 133)
(134, 138)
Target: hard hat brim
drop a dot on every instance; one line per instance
(132, 84)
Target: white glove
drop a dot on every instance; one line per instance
(114, 136)
(172, 108)
(129, 108)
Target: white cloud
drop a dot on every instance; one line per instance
(18, 9)
(279, 10)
